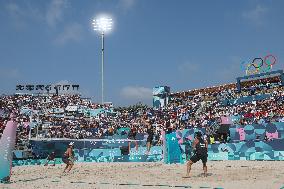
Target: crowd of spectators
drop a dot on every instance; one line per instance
(206, 106)
(68, 116)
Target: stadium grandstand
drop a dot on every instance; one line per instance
(46, 116)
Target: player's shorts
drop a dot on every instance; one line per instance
(196, 157)
(71, 160)
(150, 139)
(131, 137)
(65, 160)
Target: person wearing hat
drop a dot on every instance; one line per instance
(68, 157)
(200, 147)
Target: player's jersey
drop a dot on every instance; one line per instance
(201, 147)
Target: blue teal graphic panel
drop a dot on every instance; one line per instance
(177, 148)
(249, 150)
(187, 134)
(273, 130)
(41, 148)
(104, 155)
(173, 149)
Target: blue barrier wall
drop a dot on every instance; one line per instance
(41, 148)
(274, 130)
(177, 148)
(104, 155)
(244, 150)
(249, 150)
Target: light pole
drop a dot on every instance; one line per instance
(102, 25)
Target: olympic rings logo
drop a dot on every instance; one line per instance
(259, 65)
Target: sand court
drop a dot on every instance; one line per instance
(221, 174)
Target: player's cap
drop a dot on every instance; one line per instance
(71, 144)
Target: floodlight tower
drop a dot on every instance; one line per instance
(102, 25)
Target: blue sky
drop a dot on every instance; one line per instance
(179, 43)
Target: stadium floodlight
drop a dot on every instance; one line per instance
(102, 25)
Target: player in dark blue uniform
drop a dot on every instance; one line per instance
(150, 133)
(200, 147)
(132, 137)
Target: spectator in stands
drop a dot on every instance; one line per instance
(70, 116)
(212, 139)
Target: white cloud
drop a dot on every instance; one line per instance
(136, 93)
(54, 13)
(256, 15)
(72, 32)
